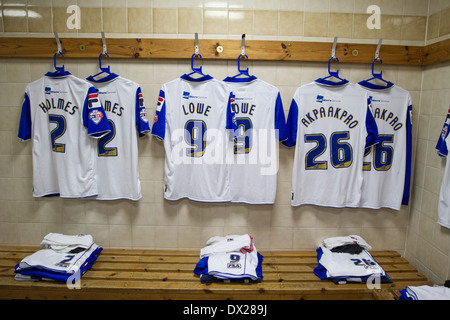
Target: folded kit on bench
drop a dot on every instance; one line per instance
(59, 265)
(348, 262)
(232, 258)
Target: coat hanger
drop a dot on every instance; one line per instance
(331, 74)
(376, 76)
(242, 72)
(58, 43)
(102, 69)
(196, 54)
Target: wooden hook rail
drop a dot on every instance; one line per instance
(224, 49)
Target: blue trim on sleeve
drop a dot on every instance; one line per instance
(159, 125)
(231, 118)
(280, 119)
(25, 120)
(441, 145)
(292, 125)
(142, 125)
(371, 128)
(407, 187)
(100, 128)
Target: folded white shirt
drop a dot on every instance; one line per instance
(335, 242)
(349, 265)
(231, 243)
(428, 292)
(65, 243)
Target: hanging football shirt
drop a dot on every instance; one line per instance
(261, 122)
(193, 116)
(61, 114)
(117, 162)
(387, 165)
(444, 196)
(330, 127)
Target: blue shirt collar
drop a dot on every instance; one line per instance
(246, 79)
(331, 83)
(189, 78)
(109, 77)
(370, 85)
(57, 74)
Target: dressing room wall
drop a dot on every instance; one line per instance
(155, 223)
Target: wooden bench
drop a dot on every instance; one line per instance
(168, 274)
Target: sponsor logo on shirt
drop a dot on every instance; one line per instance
(96, 116)
(233, 264)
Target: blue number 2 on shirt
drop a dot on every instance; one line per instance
(104, 151)
(57, 132)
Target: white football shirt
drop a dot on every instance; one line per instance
(60, 115)
(192, 117)
(260, 120)
(442, 146)
(387, 165)
(117, 162)
(330, 126)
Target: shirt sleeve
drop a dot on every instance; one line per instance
(231, 118)
(292, 125)
(280, 120)
(25, 120)
(94, 116)
(406, 191)
(142, 125)
(159, 122)
(441, 146)
(371, 127)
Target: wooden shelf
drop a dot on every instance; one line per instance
(255, 49)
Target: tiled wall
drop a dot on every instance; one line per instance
(402, 21)
(153, 222)
(438, 24)
(428, 244)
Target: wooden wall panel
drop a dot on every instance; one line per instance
(255, 49)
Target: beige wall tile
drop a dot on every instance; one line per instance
(265, 22)
(240, 22)
(341, 25)
(316, 24)
(190, 20)
(444, 27)
(433, 26)
(360, 30)
(91, 20)
(343, 6)
(114, 20)
(140, 20)
(215, 21)
(60, 16)
(291, 23)
(391, 27)
(15, 19)
(413, 28)
(165, 20)
(40, 19)
(415, 7)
